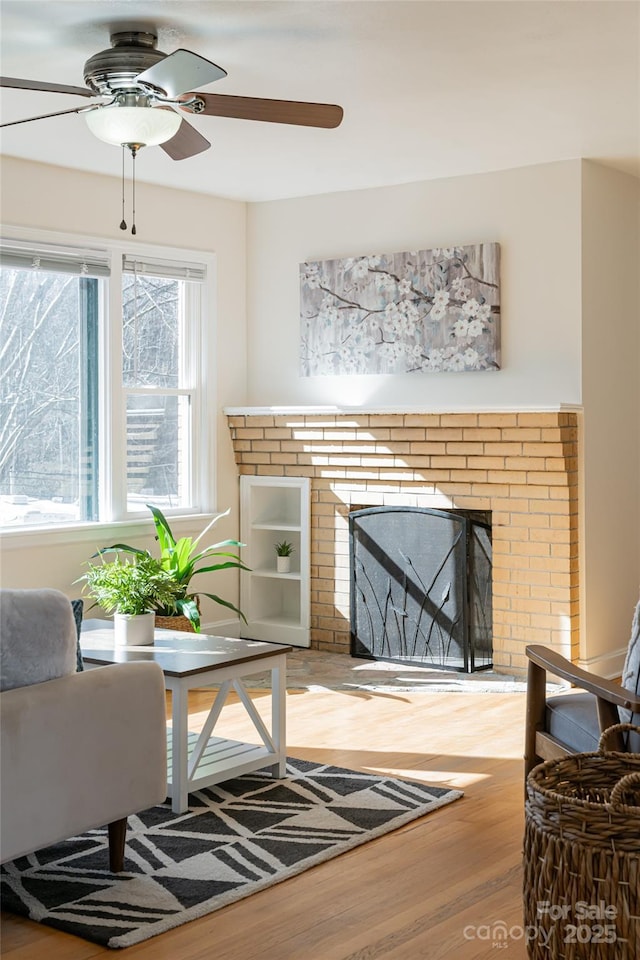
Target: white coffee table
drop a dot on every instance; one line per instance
(195, 761)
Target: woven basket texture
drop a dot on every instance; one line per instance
(582, 856)
(175, 623)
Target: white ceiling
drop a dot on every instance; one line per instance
(429, 89)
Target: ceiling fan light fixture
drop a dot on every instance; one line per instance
(145, 126)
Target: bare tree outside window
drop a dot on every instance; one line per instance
(39, 395)
(151, 331)
(157, 420)
(51, 369)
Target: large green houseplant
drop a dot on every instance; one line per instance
(183, 560)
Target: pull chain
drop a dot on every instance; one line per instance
(123, 222)
(134, 151)
(133, 147)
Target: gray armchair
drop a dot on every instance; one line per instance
(572, 723)
(77, 750)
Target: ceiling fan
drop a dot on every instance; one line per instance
(138, 90)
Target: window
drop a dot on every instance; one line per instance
(101, 384)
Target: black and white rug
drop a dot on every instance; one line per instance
(237, 838)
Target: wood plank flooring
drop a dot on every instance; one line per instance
(420, 892)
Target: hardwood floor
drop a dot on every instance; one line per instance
(420, 892)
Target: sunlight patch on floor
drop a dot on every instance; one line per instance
(443, 778)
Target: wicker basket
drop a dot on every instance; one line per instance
(582, 856)
(180, 623)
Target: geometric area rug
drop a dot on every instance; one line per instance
(238, 837)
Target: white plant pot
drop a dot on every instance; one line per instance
(133, 631)
(283, 564)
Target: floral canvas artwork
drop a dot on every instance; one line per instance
(425, 311)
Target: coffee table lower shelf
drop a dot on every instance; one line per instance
(221, 760)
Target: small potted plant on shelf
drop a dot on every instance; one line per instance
(182, 559)
(284, 549)
(131, 590)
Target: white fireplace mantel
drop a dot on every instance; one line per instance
(310, 410)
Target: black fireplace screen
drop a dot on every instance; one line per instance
(421, 587)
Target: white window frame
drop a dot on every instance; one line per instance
(112, 393)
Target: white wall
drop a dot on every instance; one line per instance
(56, 199)
(533, 212)
(610, 564)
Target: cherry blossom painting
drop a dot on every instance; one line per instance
(425, 311)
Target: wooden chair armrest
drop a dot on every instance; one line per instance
(602, 688)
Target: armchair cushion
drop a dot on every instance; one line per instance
(39, 637)
(573, 720)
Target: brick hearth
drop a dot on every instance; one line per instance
(523, 467)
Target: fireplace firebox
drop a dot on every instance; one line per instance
(421, 586)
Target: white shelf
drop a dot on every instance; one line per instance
(276, 605)
(221, 760)
(277, 621)
(276, 630)
(276, 525)
(292, 575)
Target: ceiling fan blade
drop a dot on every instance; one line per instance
(45, 116)
(46, 87)
(187, 142)
(326, 115)
(180, 71)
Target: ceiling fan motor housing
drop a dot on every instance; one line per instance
(131, 53)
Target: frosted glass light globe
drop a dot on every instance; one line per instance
(147, 126)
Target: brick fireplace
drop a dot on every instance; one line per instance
(522, 467)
